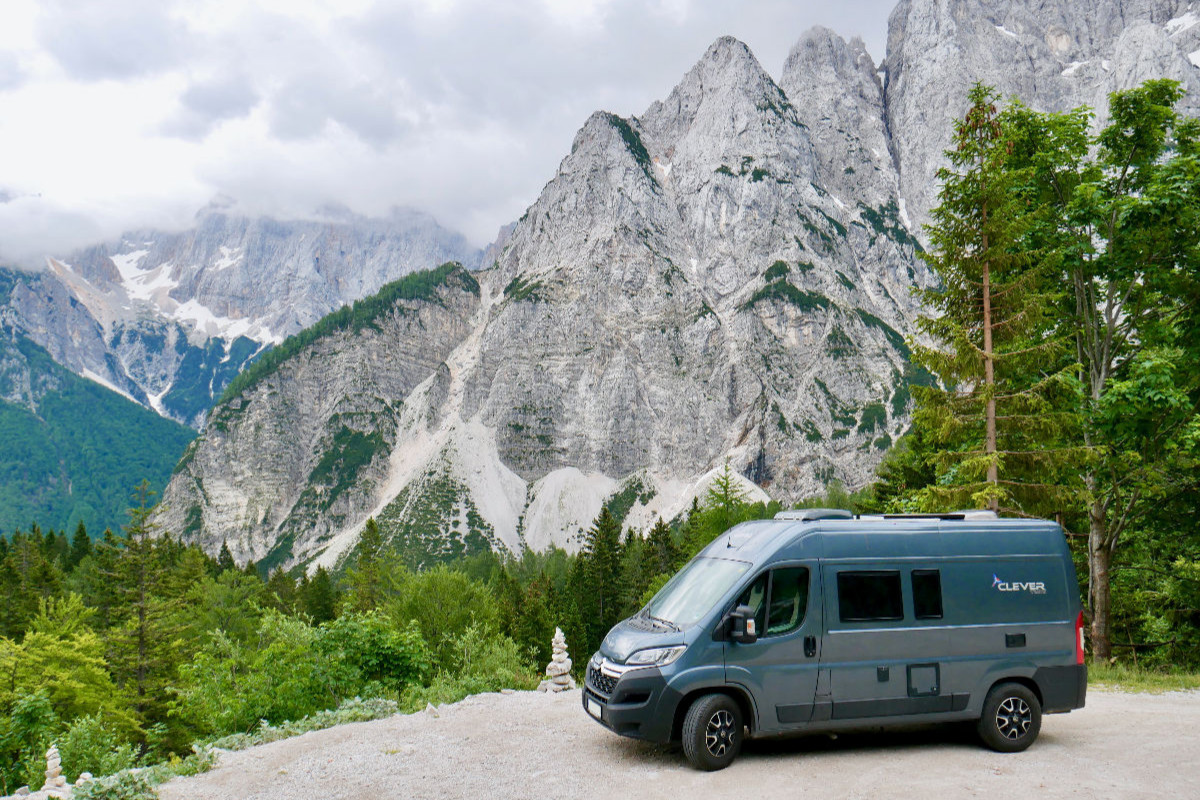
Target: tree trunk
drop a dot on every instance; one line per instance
(1099, 572)
(989, 376)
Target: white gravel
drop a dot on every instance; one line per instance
(531, 745)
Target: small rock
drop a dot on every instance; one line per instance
(431, 711)
(24, 790)
(507, 691)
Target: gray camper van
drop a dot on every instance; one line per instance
(823, 621)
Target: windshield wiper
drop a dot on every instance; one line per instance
(664, 622)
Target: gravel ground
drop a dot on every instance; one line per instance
(531, 745)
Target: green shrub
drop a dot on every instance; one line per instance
(479, 660)
(444, 603)
(87, 746)
(352, 710)
(122, 786)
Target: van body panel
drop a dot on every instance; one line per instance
(781, 671)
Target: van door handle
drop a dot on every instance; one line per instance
(810, 646)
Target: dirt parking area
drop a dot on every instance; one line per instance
(531, 745)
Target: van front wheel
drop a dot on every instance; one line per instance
(1012, 717)
(712, 732)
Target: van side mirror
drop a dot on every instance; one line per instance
(743, 629)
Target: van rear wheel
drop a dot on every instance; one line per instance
(712, 732)
(1012, 718)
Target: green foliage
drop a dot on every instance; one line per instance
(1008, 400)
(122, 786)
(776, 271)
(420, 286)
(353, 710)
(444, 603)
(89, 746)
(783, 292)
(634, 143)
(26, 733)
(478, 661)
(74, 458)
(519, 289)
(634, 491)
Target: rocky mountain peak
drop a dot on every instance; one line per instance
(834, 86)
(1053, 55)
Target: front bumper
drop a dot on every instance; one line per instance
(632, 702)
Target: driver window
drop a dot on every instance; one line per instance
(789, 600)
(788, 590)
(755, 597)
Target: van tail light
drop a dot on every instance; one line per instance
(1079, 638)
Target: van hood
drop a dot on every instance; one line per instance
(627, 638)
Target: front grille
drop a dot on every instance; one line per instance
(601, 681)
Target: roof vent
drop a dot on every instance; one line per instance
(810, 514)
(977, 513)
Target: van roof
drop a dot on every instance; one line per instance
(847, 535)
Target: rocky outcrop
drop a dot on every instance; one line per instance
(1052, 55)
(169, 318)
(684, 292)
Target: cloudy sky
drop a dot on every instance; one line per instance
(118, 114)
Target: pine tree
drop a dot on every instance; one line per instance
(142, 633)
(366, 578)
(319, 598)
(662, 553)
(225, 558)
(81, 547)
(1007, 399)
(597, 577)
(282, 591)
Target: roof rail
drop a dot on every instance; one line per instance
(966, 514)
(809, 514)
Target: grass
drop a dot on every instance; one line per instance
(1126, 678)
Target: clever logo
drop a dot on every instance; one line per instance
(1033, 587)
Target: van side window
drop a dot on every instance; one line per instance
(789, 600)
(870, 596)
(927, 593)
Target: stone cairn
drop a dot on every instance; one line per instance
(558, 671)
(56, 785)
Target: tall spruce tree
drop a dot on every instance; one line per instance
(365, 579)
(1007, 403)
(596, 578)
(143, 624)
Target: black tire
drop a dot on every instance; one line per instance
(712, 732)
(1012, 718)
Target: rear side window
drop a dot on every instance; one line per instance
(870, 596)
(927, 593)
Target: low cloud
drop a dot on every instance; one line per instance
(206, 104)
(461, 108)
(101, 39)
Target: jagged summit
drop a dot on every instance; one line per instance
(1053, 55)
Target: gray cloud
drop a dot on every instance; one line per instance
(306, 104)
(11, 75)
(208, 103)
(101, 39)
(464, 111)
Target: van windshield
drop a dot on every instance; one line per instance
(694, 590)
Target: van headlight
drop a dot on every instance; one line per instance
(655, 656)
